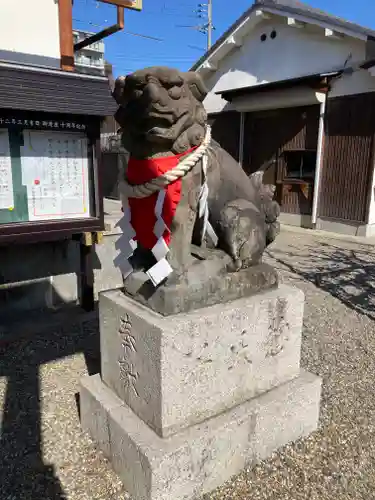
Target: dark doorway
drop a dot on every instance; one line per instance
(283, 143)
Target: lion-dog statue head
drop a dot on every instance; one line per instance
(161, 110)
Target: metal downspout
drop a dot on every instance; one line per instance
(322, 98)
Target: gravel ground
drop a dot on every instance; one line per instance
(44, 455)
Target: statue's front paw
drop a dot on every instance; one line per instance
(273, 231)
(272, 212)
(234, 266)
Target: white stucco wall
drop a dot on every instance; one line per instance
(357, 83)
(294, 52)
(29, 31)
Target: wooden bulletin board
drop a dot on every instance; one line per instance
(49, 175)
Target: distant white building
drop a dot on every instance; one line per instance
(19, 43)
(91, 58)
(292, 94)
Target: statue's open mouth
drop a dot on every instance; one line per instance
(166, 127)
(159, 118)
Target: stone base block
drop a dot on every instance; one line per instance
(204, 456)
(204, 284)
(178, 371)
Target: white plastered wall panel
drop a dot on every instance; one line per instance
(293, 53)
(29, 32)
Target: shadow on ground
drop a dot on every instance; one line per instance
(347, 274)
(23, 473)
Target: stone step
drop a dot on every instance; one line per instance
(204, 456)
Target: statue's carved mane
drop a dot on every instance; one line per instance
(161, 110)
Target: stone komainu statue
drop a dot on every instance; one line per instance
(182, 193)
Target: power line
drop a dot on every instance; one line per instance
(90, 23)
(149, 58)
(195, 47)
(123, 32)
(150, 37)
(157, 59)
(144, 36)
(164, 10)
(170, 12)
(204, 12)
(156, 55)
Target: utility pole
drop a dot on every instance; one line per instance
(209, 24)
(203, 12)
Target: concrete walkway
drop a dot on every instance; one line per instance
(44, 455)
(361, 240)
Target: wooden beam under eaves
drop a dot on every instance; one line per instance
(260, 14)
(209, 66)
(233, 41)
(333, 34)
(295, 24)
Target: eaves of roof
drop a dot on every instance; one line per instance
(312, 79)
(40, 89)
(289, 8)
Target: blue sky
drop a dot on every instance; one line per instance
(181, 47)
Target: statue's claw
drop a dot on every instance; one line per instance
(234, 266)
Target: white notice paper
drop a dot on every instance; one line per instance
(6, 178)
(55, 173)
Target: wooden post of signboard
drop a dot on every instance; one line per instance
(104, 33)
(86, 284)
(121, 5)
(66, 35)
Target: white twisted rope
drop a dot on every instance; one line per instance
(158, 183)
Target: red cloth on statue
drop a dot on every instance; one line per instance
(142, 210)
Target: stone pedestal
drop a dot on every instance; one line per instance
(188, 400)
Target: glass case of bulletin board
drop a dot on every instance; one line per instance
(49, 175)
